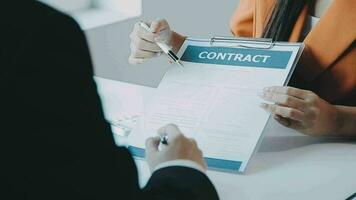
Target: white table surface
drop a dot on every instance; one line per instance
(287, 166)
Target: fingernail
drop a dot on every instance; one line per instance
(158, 53)
(276, 117)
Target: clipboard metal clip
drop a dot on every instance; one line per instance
(253, 43)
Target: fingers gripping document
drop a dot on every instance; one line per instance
(214, 99)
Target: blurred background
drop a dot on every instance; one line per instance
(108, 23)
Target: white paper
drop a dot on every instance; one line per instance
(218, 105)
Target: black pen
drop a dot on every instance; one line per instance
(164, 47)
(164, 139)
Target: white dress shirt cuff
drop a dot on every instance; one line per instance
(180, 163)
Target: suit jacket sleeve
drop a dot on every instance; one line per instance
(64, 149)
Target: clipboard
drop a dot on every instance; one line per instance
(258, 44)
(266, 43)
(246, 42)
(206, 83)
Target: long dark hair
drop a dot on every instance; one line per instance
(283, 19)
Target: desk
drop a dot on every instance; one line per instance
(288, 166)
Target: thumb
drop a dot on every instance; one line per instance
(159, 25)
(152, 144)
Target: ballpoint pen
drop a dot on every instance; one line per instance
(164, 139)
(164, 47)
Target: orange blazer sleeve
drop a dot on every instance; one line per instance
(241, 23)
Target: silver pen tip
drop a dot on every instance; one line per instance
(179, 63)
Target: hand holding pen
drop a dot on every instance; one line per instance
(174, 146)
(150, 41)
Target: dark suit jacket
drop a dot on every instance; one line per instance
(55, 143)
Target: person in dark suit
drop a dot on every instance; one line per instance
(55, 143)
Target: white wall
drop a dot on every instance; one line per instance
(198, 18)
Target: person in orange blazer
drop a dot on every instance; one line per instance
(326, 73)
(328, 64)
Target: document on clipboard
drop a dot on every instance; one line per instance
(214, 98)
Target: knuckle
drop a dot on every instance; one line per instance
(289, 90)
(164, 22)
(200, 153)
(287, 100)
(268, 95)
(274, 108)
(271, 89)
(174, 128)
(293, 113)
(180, 137)
(280, 112)
(160, 21)
(312, 97)
(308, 101)
(194, 142)
(138, 42)
(199, 150)
(148, 140)
(171, 125)
(274, 97)
(314, 111)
